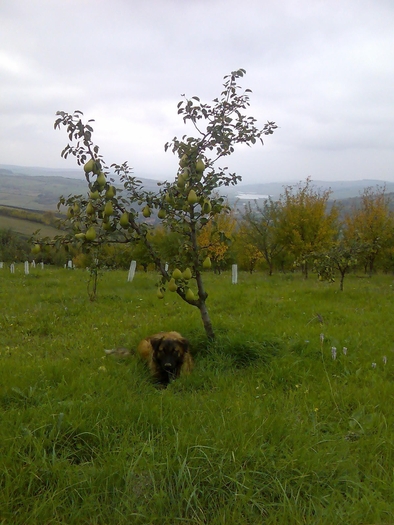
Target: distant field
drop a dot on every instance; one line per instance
(41, 192)
(37, 193)
(26, 227)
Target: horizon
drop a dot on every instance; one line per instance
(79, 175)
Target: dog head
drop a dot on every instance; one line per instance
(168, 355)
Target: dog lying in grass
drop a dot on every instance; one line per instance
(166, 353)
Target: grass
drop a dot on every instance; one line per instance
(268, 428)
(26, 227)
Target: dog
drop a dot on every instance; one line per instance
(166, 353)
(168, 356)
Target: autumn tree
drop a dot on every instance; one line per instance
(247, 253)
(184, 205)
(371, 223)
(261, 230)
(13, 247)
(341, 256)
(215, 238)
(304, 224)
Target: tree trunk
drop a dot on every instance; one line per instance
(341, 282)
(206, 321)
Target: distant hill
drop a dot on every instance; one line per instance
(340, 189)
(40, 188)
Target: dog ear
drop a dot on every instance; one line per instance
(185, 344)
(155, 342)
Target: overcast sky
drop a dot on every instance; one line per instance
(323, 70)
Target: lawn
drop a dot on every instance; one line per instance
(269, 428)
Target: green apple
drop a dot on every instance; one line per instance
(207, 263)
(192, 197)
(80, 236)
(189, 295)
(180, 182)
(206, 207)
(177, 274)
(124, 220)
(91, 234)
(108, 209)
(187, 274)
(200, 166)
(110, 193)
(172, 285)
(94, 195)
(146, 212)
(89, 166)
(36, 248)
(101, 180)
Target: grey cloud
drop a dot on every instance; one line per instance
(322, 70)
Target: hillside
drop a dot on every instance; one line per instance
(25, 227)
(40, 188)
(340, 189)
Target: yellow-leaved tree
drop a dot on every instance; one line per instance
(305, 224)
(215, 239)
(371, 223)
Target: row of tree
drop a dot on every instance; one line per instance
(304, 229)
(44, 217)
(301, 229)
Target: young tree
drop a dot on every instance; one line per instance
(341, 256)
(184, 206)
(13, 247)
(247, 254)
(371, 223)
(304, 224)
(261, 229)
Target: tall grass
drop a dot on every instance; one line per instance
(269, 428)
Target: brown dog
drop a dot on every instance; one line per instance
(167, 354)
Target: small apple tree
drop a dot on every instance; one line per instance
(183, 206)
(342, 256)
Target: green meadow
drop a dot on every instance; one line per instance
(268, 429)
(26, 227)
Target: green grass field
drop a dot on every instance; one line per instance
(268, 429)
(25, 227)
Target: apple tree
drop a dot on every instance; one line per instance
(184, 205)
(341, 256)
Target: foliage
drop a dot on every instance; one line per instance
(184, 206)
(215, 239)
(247, 254)
(261, 228)
(304, 225)
(342, 256)
(12, 247)
(372, 223)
